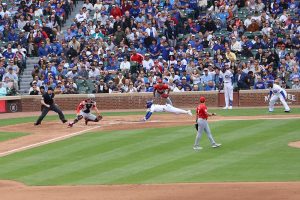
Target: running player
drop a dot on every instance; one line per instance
(228, 87)
(201, 120)
(151, 108)
(276, 92)
(84, 111)
(162, 90)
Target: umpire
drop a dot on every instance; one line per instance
(48, 104)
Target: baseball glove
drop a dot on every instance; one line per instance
(99, 117)
(196, 126)
(164, 95)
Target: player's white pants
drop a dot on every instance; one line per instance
(172, 109)
(274, 98)
(228, 94)
(89, 116)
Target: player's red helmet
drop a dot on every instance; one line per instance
(159, 81)
(202, 99)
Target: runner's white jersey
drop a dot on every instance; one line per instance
(158, 108)
(227, 75)
(276, 89)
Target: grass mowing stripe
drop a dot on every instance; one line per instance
(9, 135)
(68, 155)
(70, 146)
(245, 168)
(188, 150)
(105, 154)
(95, 167)
(136, 167)
(212, 161)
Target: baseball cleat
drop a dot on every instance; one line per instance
(64, 121)
(190, 113)
(197, 148)
(225, 108)
(215, 145)
(36, 124)
(287, 111)
(230, 107)
(70, 124)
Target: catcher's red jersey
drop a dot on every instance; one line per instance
(161, 88)
(86, 106)
(201, 111)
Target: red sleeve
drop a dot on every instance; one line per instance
(165, 86)
(156, 86)
(79, 107)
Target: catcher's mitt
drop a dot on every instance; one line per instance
(164, 95)
(99, 117)
(196, 126)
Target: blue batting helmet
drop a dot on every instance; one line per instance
(149, 103)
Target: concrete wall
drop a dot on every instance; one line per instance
(137, 101)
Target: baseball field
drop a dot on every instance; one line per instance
(121, 157)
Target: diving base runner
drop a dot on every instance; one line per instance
(151, 108)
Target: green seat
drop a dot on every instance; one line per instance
(249, 34)
(82, 90)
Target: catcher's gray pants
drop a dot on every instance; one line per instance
(157, 95)
(203, 126)
(88, 116)
(45, 111)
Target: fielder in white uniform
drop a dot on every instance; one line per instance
(228, 87)
(151, 108)
(276, 92)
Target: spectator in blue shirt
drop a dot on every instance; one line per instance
(8, 54)
(12, 36)
(259, 84)
(43, 51)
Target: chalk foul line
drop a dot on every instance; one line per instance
(46, 142)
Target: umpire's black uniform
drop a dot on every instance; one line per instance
(48, 99)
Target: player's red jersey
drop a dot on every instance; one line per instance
(86, 106)
(137, 58)
(201, 111)
(161, 88)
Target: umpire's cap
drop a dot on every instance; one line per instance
(202, 99)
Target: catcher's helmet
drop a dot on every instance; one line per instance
(149, 103)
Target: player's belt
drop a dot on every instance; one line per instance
(203, 118)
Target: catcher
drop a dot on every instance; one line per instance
(202, 125)
(162, 90)
(84, 111)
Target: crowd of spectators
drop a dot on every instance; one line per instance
(118, 46)
(24, 26)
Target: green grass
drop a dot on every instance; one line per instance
(8, 136)
(252, 151)
(219, 111)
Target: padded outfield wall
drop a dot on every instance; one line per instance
(245, 98)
